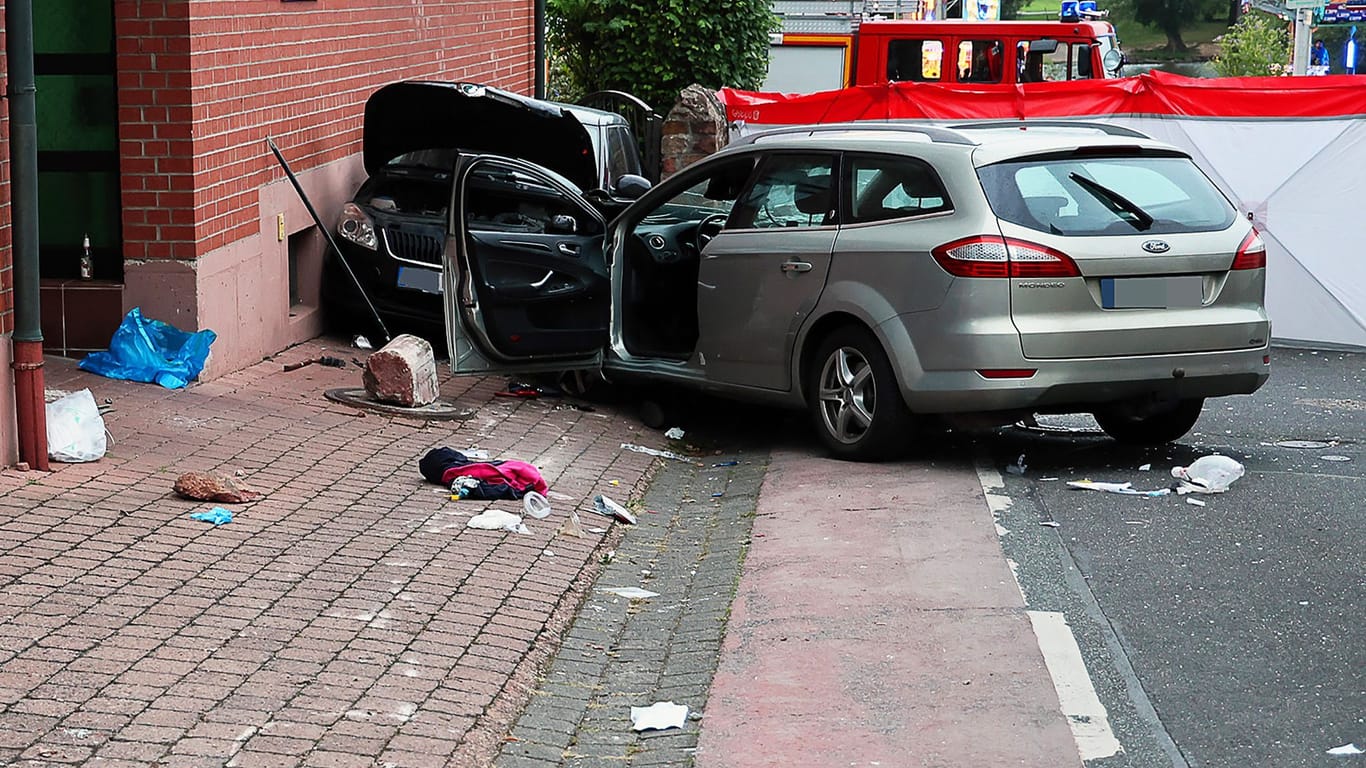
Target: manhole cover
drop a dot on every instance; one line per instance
(441, 410)
(1310, 444)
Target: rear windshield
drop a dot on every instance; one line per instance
(1096, 195)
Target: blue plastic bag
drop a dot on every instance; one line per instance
(151, 351)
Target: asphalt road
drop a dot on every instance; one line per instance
(1229, 634)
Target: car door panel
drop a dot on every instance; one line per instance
(520, 296)
(763, 274)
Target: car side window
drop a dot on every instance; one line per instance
(892, 187)
(789, 191)
(506, 199)
(914, 60)
(622, 157)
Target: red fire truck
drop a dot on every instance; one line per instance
(833, 50)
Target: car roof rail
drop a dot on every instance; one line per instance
(1107, 128)
(934, 133)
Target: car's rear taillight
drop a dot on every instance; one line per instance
(1251, 254)
(989, 256)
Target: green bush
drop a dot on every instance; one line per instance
(1256, 46)
(656, 48)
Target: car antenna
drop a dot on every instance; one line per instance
(328, 234)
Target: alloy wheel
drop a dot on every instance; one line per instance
(848, 394)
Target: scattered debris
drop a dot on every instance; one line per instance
(360, 342)
(656, 452)
(608, 508)
(1307, 444)
(1208, 474)
(659, 716)
(631, 593)
(536, 505)
(497, 520)
(1049, 523)
(1047, 479)
(1121, 488)
(1145, 467)
(1018, 468)
(327, 360)
(1196, 502)
(731, 463)
(519, 389)
(1335, 457)
(597, 530)
(718, 494)
(218, 516)
(213, 486)
(572, 526)
(476, 454)
(1345, 749)
(674, 433)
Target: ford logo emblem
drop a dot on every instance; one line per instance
(1156, 246)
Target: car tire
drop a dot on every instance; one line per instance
(1134, 427)
(853, 398)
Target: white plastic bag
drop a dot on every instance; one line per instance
(75, 429)
(1208, 474)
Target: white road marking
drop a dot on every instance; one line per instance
(1087, 716)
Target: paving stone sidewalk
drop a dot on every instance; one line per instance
(347, 618)
(620, 653)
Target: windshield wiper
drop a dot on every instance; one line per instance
(1116, 202)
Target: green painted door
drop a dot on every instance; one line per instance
(78, 148)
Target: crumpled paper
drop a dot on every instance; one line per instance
(659, 716)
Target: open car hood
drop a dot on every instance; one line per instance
(414, 115)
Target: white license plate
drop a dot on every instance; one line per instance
(1181, 292)
(418, 279)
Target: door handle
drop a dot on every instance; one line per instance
(569, 249)
(796, 266)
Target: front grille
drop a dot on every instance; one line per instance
(413, 246)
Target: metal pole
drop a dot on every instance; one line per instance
(30, 405)
(327, 233)
(1304, 19)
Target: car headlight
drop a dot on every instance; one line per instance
(357, 227)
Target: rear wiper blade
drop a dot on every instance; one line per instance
(1116, 202)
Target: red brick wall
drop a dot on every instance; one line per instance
(202, 83)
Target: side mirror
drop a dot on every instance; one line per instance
(1045, 45)
(1084, 65)
(1113, 60)
(631, 186)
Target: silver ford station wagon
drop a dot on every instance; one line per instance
(873, 274)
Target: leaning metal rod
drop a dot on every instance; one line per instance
(328, 234)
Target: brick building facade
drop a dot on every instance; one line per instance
(199, 225)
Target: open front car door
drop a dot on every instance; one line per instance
(525, 280)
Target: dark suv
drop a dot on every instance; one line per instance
(393, 231)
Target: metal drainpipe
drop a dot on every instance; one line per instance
(29, 402)
(539, 36)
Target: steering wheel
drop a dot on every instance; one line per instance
(708, 228)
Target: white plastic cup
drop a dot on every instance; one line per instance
(536, 505)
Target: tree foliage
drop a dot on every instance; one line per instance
(1169, 16)
(1258, 45)
(656, 48)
